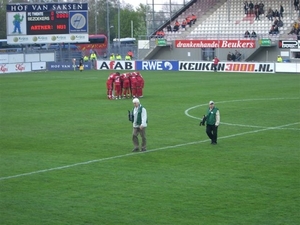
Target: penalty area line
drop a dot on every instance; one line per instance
(135, 153)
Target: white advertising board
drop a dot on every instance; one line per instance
(48, 57)
(4, 58)
(16, 58)
(288, 68)
(38, 66)
(32, 57)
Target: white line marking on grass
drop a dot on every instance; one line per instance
(186, 112)
(135, 153)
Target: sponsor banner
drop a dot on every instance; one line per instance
(115, 65)
(66, 66)
(15, 68)
(215, 43)
(157, 65)
(288, 44)
(43, 39)
(228, 67)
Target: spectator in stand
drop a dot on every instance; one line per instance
(233, 57)
(183, 24)
(229, 56)
(276, 14)
(270, 14)
(296, 5)
(238, 55)
(194, 18)
(247, 34)
(246, 7)
(251, 7)
(295, 28)
(280, 23)
(176, 26)
(261, 8)
(160, 34)
(256, 6)
(274, 29)
(281, 10)
(188, 21)
(253, 34)
(257, 14)
(169, 28)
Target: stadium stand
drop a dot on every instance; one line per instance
(227, 19)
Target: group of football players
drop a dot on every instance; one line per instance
(125, 85)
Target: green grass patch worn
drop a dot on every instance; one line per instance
(65, 150)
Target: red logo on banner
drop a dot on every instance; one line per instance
(20, 67)
(3, 68)
(215, 43)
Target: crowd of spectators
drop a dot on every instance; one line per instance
(234, 57)
(187, 22)
(272, 15)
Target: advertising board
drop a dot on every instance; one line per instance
(46, 23)
(215, 43)
(288, 44)
(15, 68)
(65, 66)
(157, 65)
(115, 65)
(227, 67)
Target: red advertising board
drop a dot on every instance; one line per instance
(215, 43)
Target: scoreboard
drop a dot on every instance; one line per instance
(47, 23)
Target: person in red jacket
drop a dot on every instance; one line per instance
(215, 63)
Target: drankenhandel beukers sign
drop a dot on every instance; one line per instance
(215, 43)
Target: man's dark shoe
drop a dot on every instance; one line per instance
(135, 150)
(143, 150)
(214, 143)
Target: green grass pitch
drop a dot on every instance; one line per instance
(65, 151)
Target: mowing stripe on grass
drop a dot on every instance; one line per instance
(186, 112)
(135, 153)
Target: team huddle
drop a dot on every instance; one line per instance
(125, 85)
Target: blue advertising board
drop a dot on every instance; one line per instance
(65, 66)
(157, 65)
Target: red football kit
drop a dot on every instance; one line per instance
(125, 84)
(140, 84)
